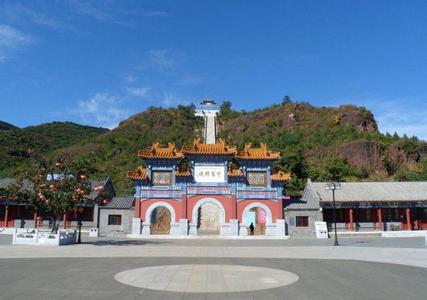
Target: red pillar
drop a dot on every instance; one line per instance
(35, 220)
(408, 219)
(6, 216)
(373, 218)
(281, 214)
(234, 204)
(380, 218)
(184, 208)
(350, 216)
(138, 208)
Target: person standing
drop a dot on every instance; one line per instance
(252, 228)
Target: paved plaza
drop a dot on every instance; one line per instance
(105, 268)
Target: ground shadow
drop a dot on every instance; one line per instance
(123, 242)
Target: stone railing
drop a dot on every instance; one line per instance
(33, 236)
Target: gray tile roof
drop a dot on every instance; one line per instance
(371, 191)
(5, 182)
(300, 204)
(309, 199)
(125, 202)
(94, 183)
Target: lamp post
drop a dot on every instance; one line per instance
(334, 186)
(79, 223)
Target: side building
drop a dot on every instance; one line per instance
(115, 218)
(361, 206)
(14, 214)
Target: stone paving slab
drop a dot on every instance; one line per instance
(404, 256)
(371, 241)
(206, 278)
(84, 278)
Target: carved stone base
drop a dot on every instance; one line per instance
(183, 223)
(230, 229)
(175, 229)
(136, 226)
(145, 229)
(193, 229)
(276, 229)
(243, 230)
(280, 227)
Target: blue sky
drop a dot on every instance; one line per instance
(99, 62)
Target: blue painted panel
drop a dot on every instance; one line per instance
(258, 193)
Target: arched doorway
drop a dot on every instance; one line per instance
(208, 222)
(259, 214)
(160, 220)
(258, 217)
(208, 215)
(160, 216)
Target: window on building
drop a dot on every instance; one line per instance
(257, 178)
(301, 221)
(162, 177)
(114, 220)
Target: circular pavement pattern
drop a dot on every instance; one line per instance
(206, 278)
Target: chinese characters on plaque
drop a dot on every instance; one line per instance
(209, 174)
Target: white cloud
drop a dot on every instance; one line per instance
(11, 39)
(88, 9)
(18, 13)
(170, 99)
(102, 110)
(138, 92)
(189, 81)
(158, 13)
(46, 21)
(112, 12)
(403, 116)
(130, 78)
(161, 57)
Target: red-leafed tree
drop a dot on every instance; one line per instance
(55, 188)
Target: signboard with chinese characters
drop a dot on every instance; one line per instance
(214, 174)
(321, 230)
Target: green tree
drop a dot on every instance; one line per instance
(423, 170)
(226, 112)
(335, 168)
(286, 100)
(295, 186)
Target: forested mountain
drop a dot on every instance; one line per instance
(318, 142)
(18, 145)
(6, 126)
